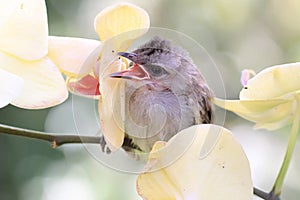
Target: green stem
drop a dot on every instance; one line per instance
(55, 139)
(289, 152)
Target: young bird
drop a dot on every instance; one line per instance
(165, 93)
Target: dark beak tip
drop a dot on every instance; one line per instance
(114, 75)
(121, 53)
(118, 75)
(128, 55)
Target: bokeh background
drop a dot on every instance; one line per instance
(237, 34)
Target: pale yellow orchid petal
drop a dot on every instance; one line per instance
(273, 82)
(249, 106)
(275, 114)
(108, 55)
(274, 125)
(44, 85)
(92, 63)
(112, 26)
(121, 18)
(24, 28)
(280, 116)
(222, 172)
(268, 99)
(10, 87)
(69, 54)
(118, 26)
(264, 113)
(111, 106)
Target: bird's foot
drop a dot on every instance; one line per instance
(104, 146)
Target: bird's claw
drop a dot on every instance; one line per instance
(103, 145)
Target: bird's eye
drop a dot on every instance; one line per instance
(130, 64)
(157, 70)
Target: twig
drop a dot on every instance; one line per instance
(55, 139)
(60, 139)
(260, 193)
(265, 195)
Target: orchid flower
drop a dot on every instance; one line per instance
(30, 61)
(136, 23)
(117, 27)
(213, 166)
(271, 99)
(109, 23)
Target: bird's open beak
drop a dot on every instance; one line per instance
(135, 72)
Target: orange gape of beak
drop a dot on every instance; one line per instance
(135, 72)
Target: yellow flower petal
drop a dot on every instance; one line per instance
(265, 113)
(270, 126)
(111, 100)
(69, 54)
(24, 28)
(268, 99)
(249, 106)
(111, 108)
(221, 172)
(10, 87)
(273, 82)
(44, 86)
(113, 21)
(282, 116)
(121, 18)
(92, 63)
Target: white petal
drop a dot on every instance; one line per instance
(24, 28)
(44, 86)
(69, 54)
(10, 87)
(273, 82)
(111, 108)
(213, 167)
(269, 114)
(121, 18)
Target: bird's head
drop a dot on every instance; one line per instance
(156, 62)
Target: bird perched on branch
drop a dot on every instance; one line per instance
(164, 93)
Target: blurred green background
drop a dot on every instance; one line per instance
(237, 34)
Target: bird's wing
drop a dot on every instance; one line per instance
(204, 96)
